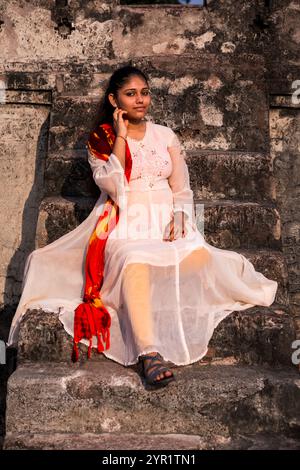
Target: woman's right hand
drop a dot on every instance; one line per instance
(169, 232)
(176, 228)
(120, 124)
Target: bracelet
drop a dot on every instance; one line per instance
(122, 137)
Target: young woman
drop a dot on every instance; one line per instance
(137, 273)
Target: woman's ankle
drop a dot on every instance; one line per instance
(152, 353)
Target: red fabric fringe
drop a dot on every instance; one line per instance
(91, 321)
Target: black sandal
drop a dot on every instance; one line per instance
(158, 369)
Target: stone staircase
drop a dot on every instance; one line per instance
(244, 394)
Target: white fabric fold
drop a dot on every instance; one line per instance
(110, 177)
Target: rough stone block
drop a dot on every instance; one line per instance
(230, 175)
(235, 224)
(257, 336)
(205, 400)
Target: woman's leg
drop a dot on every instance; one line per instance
(194, 261)
(136, 292)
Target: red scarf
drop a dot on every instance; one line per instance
(91, 317)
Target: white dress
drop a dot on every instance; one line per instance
(165, 296)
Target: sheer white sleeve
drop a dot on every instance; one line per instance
(109, 176)
(179, 180)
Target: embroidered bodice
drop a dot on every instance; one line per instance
(148, 162)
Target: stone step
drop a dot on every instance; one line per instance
(58, 216)
(137, 441)
(213, 175)
(220, 399)
(258, 335)
(68, 173)
(227, 224)
(238, 224)
(244, 176)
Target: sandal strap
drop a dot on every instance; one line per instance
(150, 365)
(157, 371)
(154, 360)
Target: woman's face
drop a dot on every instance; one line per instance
(133, 95)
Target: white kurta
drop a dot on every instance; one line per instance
(173, 299)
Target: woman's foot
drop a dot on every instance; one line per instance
(154, 369)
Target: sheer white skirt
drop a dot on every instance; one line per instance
(162, 296)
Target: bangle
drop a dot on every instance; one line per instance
(121, 137)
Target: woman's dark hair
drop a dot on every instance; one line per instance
(117, 80)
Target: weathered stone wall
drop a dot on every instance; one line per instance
(285, 138)
(284, 96)
(23, 138)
